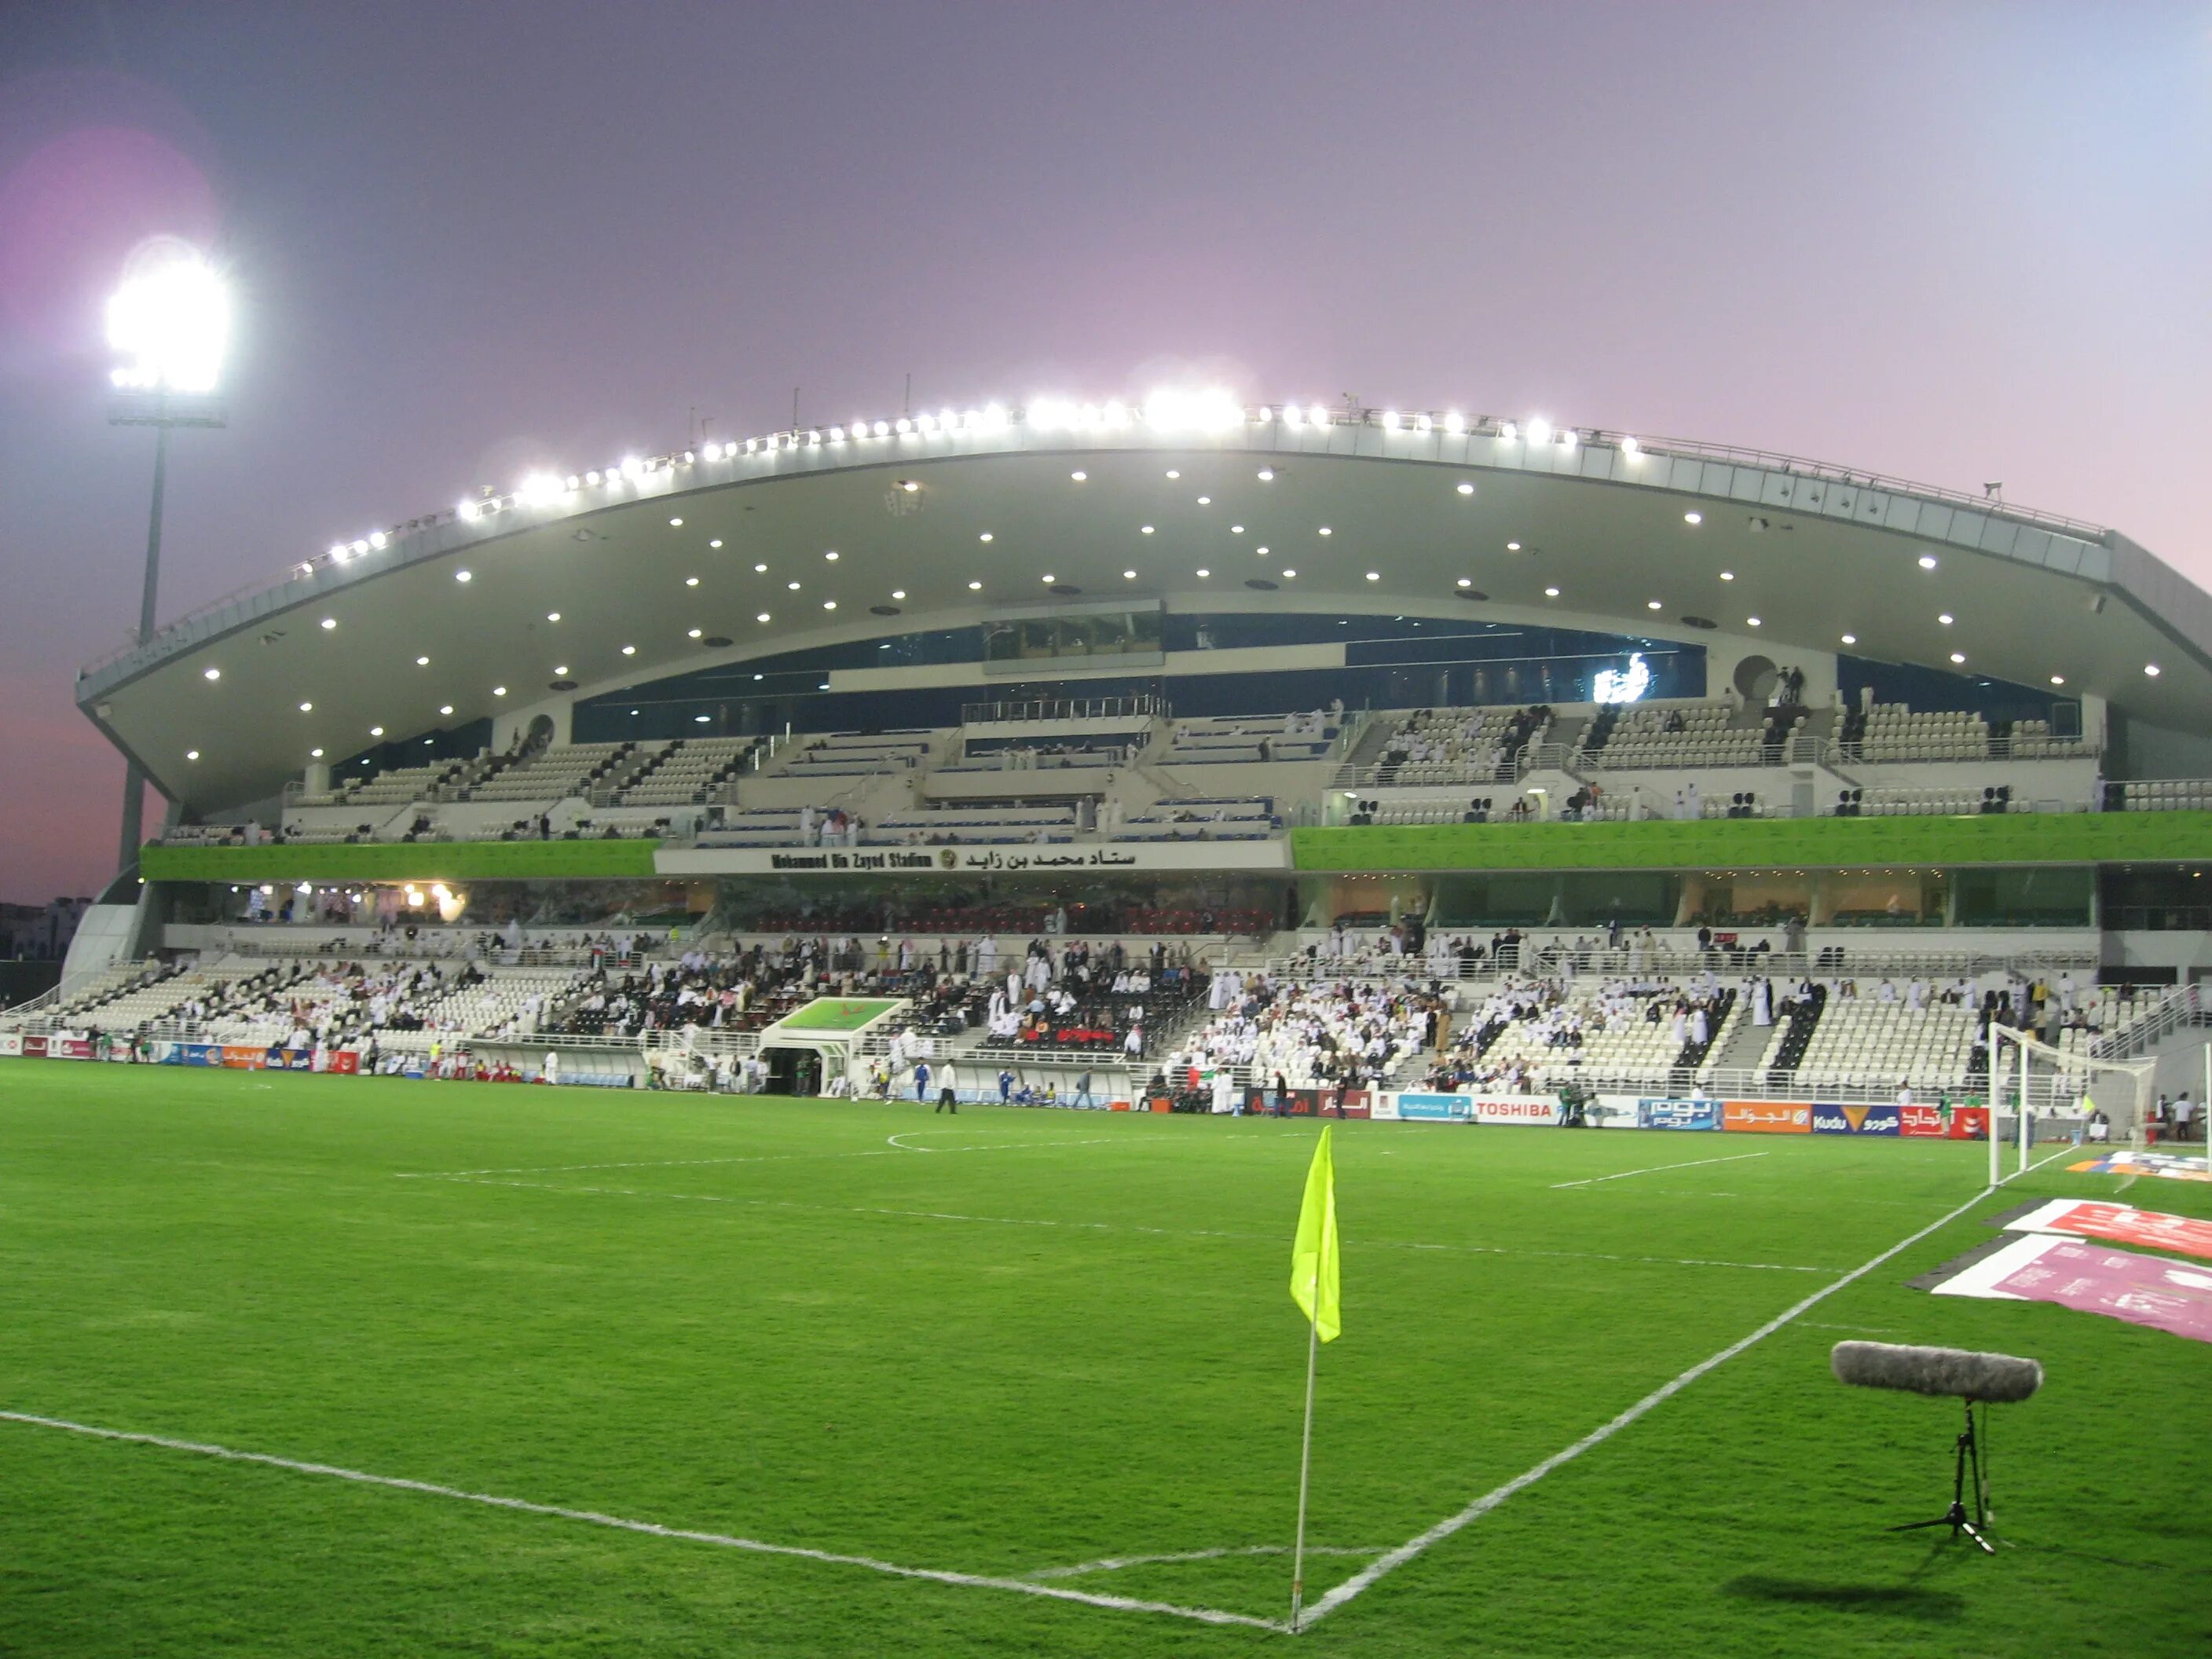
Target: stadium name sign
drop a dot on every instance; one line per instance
(1051, 859)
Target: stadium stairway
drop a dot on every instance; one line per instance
(1742, 1046)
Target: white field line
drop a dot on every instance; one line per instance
(760, 1157)
(1593, 1180)
(722, 1540)
(1367, 1576)
(1115, 1563)
(2064, 1151)
(1113, 1226)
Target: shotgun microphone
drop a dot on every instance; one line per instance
(1976, 1379)
(1994, 1378)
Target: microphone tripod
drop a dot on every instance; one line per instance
(1967, 1453)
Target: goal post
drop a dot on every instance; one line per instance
(2032, 1078)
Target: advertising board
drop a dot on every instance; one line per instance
(1854, 1119)
(1678, 1114)
(1766, 1117)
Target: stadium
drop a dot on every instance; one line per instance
(1126, 779)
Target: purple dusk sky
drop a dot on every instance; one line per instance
(1954, 242)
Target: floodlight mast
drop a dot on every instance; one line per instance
(168, 324)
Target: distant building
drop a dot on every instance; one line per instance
(40, 932)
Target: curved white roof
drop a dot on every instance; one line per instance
(1373, 512)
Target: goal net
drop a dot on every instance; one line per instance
(2038, 1092)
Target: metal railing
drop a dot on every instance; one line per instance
(1829, 961)
(1145, 706)
(2180, 1009)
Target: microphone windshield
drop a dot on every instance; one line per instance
(1997, 1378)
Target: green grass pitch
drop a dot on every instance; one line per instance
(1013, 1344)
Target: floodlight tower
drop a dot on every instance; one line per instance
(168, 324)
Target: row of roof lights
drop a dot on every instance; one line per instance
(1166, 411)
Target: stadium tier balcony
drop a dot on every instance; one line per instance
(854, 754)
(964, 826)
(1202, 817)
(1239, 739)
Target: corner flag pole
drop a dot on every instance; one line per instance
(1305, 1465)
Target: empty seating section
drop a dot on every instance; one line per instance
(1231, 738)
(856, 754)
(689, 771)
(2161, 795)
(1868, 1043)
(933, 825)
(755, 826)
(402, 784)
(94, 991)
(1894, 733)
(1907, 801)
(2034, 740)
(1203, 818)
(551, 774)
(1031, 755)
(153, 1000)
(1649, 735)
(1459, 745)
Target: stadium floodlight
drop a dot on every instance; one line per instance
(169, 325)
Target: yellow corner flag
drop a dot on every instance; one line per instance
(1313, 1252)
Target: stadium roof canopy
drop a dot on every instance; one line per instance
(841, 533)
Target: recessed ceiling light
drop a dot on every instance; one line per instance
(1128, 576)
(552, 616)
(446, 709)
(1926, 560)
(1048, 578)
(985, 537)
(562, 672)
(1205, 572)
(831, 556)
(2151, 669)
(2058, 679)
(1958, 656)
(1466, 582)
(461, 576)
(1262, 551)
(1652, 605)
(829, 604)
(1205, 500)
(1851, 639)
(499, 690)
(898, 592)
(1144, 530)
(676, 524)
(1078, 477)
(306, 708)
(1324, 531)
(422, 662)
(314, 754)
(1728, 575)
(1236, 529)
(375, 730)
(690, 581)
(761, 617)
(1266, 475)
(192, 753)
(975, 588)
(1374, 576)
(629, 651)
(794, 587)
(1751, 621)
(760, 570)
(1289, 575)
(1465, 489)
(329, 623)
(1945, 618)
(697, 632)
(717, 541)
(1512, 547)
(1551, 593)
(211, 673)
(1172, 473)
(1694, 517)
